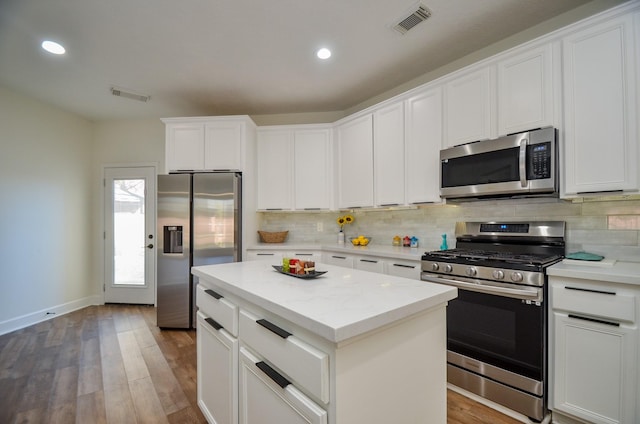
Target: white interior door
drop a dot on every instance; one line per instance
(130, 235)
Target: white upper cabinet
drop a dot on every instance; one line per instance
(354, 140)
(294, 167)
(275, 169)
(469, 98)
(205, 143)
(601, 139)
(388, 155)
(312, 169)
(423, 141)
(525, 90)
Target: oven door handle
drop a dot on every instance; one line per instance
(532, 294)
(523, 162)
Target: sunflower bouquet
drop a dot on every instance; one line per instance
(343, 220)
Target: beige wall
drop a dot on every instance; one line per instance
(45, 192)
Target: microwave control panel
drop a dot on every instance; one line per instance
(539, 161)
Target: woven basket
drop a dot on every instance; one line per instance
(273, 236)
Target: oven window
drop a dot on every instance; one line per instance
(501, 331)
(497, 166)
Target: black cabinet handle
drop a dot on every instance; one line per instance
(369, 261)
(273, 374)
(405, 266)
(303, 254)
(599, 321)
(265, 254)
(213, 323)
(338, 257)
(590, 290)
(214, 294)
(274, 328)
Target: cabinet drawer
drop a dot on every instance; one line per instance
(253, 255)
(370, 264)
(338, 259)
(306, 365)
(215, 306)
(601, 302)
(404, 269)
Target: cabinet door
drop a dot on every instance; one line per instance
(223, 145)
(423, 141)
(338, 259)
(601, 141)
(260, 255)
(312, 169)
(275, 170)
(355, 163)
(525, 91)
(593, 372)
(266, 396)
(217, 382)
(406, 269)
(388, 155)
(468, 103)
(370, 264)
(185, 147)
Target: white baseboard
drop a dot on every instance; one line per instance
(23, 321)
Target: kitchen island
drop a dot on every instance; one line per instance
(349, 346)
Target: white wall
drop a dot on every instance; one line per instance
(45, 192)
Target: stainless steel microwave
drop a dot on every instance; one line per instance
(523, 164)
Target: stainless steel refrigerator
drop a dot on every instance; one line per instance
(199, 223)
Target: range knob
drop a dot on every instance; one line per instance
(471, 271)
(498, 274)
(448, 268)
(435, 266)
(516, 277)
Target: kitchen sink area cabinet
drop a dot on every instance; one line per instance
(389, 155)
(469, 100)
(601, 152)
(423, 141)
(206, 143)
(354, 144)
(526, 89)
(594, 344)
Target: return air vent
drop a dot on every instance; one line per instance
(417, 14)
(129, 95)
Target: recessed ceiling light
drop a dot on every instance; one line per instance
(324, 53)
(53, 47)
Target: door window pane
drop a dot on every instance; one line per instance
(128, 231)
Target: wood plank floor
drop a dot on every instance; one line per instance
(111, 364)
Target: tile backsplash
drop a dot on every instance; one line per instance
(610, 228)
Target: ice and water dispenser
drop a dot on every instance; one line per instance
(173, 239)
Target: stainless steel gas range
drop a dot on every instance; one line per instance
(497, 327)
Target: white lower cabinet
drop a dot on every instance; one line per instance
(338, 259)
(217, 352)
(268, 397)
(594, 348)
(372, 264)
(406, 269)
(258, 255)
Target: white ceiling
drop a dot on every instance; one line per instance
(219, 57)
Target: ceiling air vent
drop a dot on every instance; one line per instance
(129, 94)
(417, 14)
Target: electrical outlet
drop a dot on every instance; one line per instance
(319, 227)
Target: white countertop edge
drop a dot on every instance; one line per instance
(620, 272)
(396, 252)
(440, 296)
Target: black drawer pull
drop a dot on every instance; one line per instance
(265, 254)
(590, 290)
(338, 257)
(369, 261)
(274, 328)
(405, 266)
(303, 254)
(213, 323)
(273, 374)
(599, 321)
(214, 294)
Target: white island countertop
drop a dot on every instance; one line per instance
(341, 304)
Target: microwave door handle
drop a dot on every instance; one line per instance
(523, 162)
